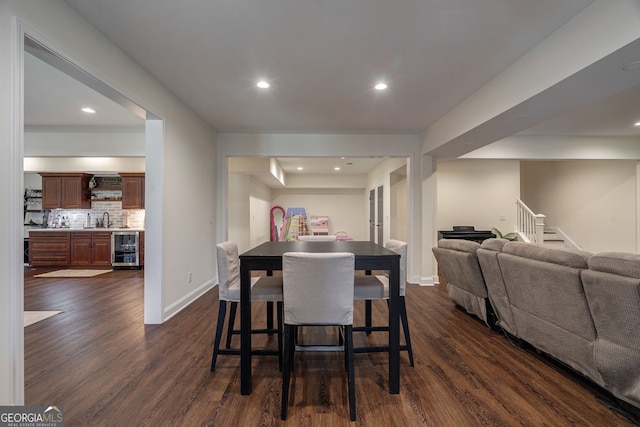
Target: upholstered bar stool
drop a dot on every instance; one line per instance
(317, 291)
(267, 289)
(369, 288)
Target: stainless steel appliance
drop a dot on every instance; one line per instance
(125, 246)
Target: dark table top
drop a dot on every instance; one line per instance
(358, 248)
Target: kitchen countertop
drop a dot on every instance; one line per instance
(86, 229)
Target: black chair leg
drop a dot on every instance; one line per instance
(367, 316)
(348, 341)
(405, 327)
(280, 321)
(232, 320)
(269, 316)
(286, 369)
(222, 311)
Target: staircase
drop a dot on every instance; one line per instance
(552, 238)
(555, 237)
(531, 228)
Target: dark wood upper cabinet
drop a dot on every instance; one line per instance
(65, 190)
(132, 190)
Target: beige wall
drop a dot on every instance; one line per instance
(238, 209)
(260, 211)
(344, 207)
(478, 193)
(592, 201)
(399, 209)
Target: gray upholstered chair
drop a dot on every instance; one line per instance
(267, 289)
(318, 238)
(368, 288)
(317, 291)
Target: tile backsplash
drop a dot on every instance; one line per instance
(78, 217)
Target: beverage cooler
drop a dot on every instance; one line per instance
(125, 247)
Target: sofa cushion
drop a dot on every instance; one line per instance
(497, 292)
(549, 303)
(459, 245)
(612, 287)
(495, 244)
(566, 257)
(624, 264)
(458, 262)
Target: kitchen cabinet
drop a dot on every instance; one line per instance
(91, 248)
(65, 190)
(132, 190)
(49, 248)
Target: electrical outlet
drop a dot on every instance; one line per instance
(503, 217)
(189, 277)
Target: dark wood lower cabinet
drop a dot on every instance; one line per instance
(49, 248)
(90, 248)
(101, 248)
(74, 248)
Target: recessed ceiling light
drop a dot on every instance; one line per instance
(381, 86)
(262, 84)
(300, 168)
(89, 110)
(636, 124)
(337, 168)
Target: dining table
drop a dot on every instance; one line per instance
(368, 256)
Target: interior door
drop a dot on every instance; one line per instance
(380, 215)
(372, 215)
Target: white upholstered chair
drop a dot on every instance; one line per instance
(267, 289)
(317, 291)
(370, 288)
(318, 238)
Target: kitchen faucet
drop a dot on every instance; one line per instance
(106, 223)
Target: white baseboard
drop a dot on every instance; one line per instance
(426, 281)
(184, 302)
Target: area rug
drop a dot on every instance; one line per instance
(74, 273)
(31, 317)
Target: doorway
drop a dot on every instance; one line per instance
(153, 142)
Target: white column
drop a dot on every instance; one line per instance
(429, 211)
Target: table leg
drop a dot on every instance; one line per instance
(245, 330)
(270, 308)
(394, 328)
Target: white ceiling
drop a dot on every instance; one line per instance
(322, 59)
(327, 165)
(53, 101)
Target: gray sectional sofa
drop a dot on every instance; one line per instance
(458, 263)
(582, 309)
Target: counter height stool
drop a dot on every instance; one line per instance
(267, 289)
(317, 291)
(368, 288)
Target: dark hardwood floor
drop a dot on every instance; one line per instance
(106, 368)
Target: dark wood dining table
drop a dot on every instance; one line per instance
(368, 256)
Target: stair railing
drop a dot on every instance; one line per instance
(530, 224)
